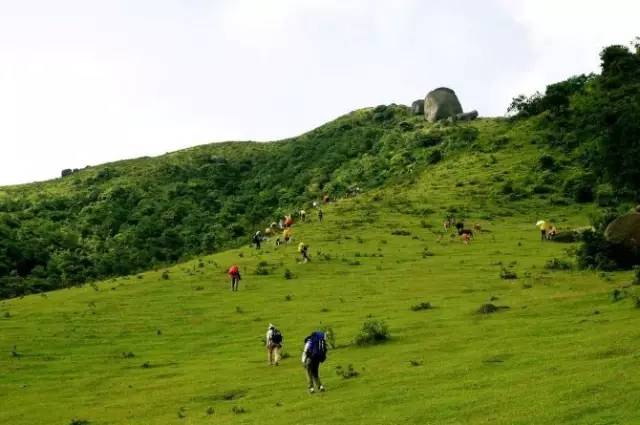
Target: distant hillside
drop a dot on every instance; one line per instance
(133, 215)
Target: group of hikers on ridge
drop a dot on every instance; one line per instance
(314, 352)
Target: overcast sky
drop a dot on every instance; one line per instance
(84, 82)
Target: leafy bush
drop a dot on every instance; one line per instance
(595, 252)
(165, 275)
(558, 264)
(605, 195)
(288, 274)
(636, 277)
(79, 422)
(422, 306)
(372, 332)
(507, 274)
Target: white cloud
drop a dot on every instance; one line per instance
(87, 81)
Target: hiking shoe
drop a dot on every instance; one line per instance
(322, 388)
(312, 390)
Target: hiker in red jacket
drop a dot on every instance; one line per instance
(234, 274)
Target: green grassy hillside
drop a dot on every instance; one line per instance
(563, 352)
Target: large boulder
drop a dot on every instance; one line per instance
(417, 107)
(441, 104)
(625, 230)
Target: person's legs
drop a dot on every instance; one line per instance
(276, 354)
(315, 366)
(270, 354)
(307, 368)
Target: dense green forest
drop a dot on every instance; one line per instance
(132, 215)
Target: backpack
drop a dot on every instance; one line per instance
(318, 350)
(234, 271)
(276, 336)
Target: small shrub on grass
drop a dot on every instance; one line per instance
(79, 422)
(7, 315)
(400, 232)
(288, 274)
(347, 373)
(241, 254)
(490, 308)
(262, 270)
(416, 363)
(637, 302)
(239, 310)
(558, 264)
(372, 332)
(507, 274)
(238, 410)
(128, 355)
(329, 335)
(422, 306)
(165, 275)
(617, 295)
(288, 297)
(426, 253)
(146, 365)
(210, 411)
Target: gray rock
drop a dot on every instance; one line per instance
(625, 230)
(467, 116)
(441, 104)
(417, 107)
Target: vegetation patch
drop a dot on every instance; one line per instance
(372, 332)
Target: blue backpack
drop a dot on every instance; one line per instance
(318, 350)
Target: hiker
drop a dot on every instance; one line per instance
(286, 235)
(314, 353)
(257, 239)
(446, 224)
(274, 345)
(303, 215)
(303, 249)
(234, 274)
(288, 221)
(545, 228)
(320, 215)
(466, 238)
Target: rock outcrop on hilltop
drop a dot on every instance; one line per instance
(440, 104)
(417, 107)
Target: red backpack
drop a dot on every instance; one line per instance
(233, 270)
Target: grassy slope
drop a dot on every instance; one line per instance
(548, 359)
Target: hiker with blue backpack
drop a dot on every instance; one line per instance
(274, 344)
(314, 353)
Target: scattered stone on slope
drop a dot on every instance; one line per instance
(441, 104)
(417, 107)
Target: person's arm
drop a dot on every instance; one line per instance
(305, 351)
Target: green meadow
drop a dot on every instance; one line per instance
(175, 346)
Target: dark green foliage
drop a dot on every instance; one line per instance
(372, 332)
(434, 157)
(598, 253)
(636, 275)
(547, 162)
(288, 274)
(165, 275)
(238, 410)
